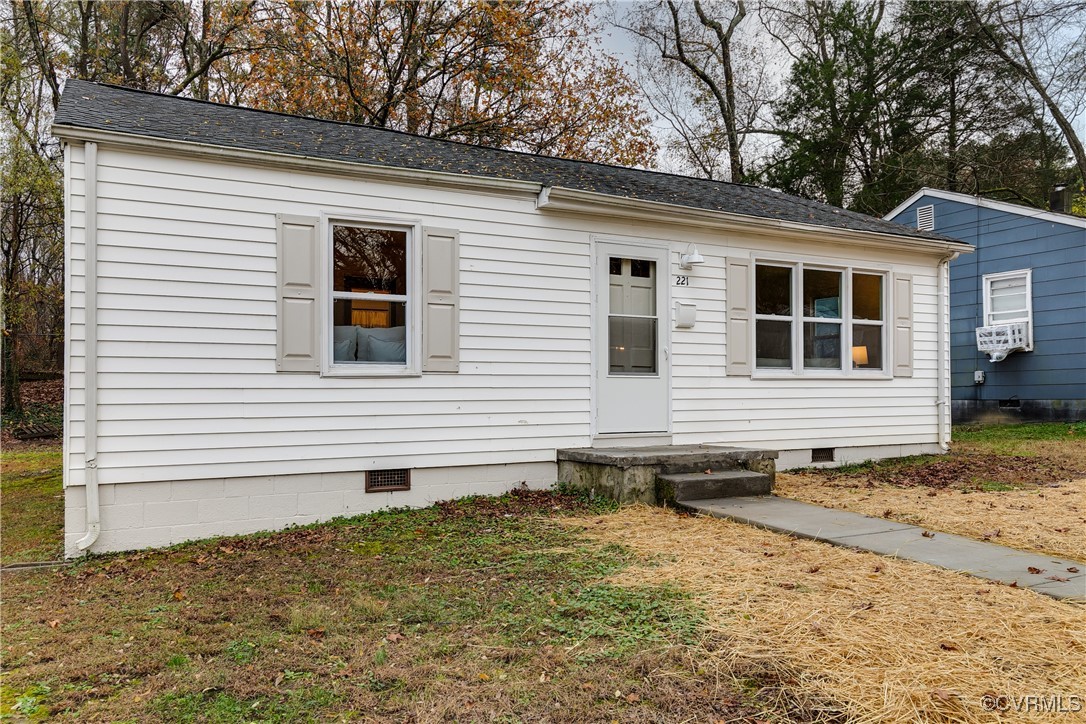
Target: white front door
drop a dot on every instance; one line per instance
(633, 369)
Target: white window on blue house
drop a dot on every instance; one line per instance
(818, 320)
(1008, 298)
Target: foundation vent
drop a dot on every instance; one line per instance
(822, 455)
(383, 481)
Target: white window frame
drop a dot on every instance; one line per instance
(798, 319)
(986, 295)
(413, 336)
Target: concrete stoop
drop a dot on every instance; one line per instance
(668, 474)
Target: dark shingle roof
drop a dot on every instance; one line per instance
(124, 110)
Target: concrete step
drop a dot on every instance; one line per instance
(679, 487)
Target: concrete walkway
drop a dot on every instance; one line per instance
(901, 540)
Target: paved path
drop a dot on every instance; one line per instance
(901, 540)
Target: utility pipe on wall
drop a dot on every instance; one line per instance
(90, 336)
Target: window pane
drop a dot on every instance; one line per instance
(866, 296)
(773, 344)
(633, 287)
(773, 290)
(632, 345)
(369, 330)
(821, 293)
(866, 347)
(822, 345)
(369, 260)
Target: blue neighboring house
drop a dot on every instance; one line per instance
(1027, 280)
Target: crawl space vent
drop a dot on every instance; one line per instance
(382, 481)
(822, 455)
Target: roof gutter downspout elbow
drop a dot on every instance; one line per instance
(942, 402)
(90, 386)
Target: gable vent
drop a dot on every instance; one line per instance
(925, 218)
(382, 481)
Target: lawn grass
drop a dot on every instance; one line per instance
(482, 609)
(31, 505)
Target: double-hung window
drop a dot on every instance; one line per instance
(371, 283)
(815, 319)
(1008, 298)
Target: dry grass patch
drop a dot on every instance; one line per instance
(1049, 519)
(844, 634)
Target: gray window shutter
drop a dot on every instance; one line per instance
(297, 310)
(903, 325)
(740, 297)
(441, 300)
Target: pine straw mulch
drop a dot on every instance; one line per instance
(835, 634)
(1046, 519)
(1035, 503)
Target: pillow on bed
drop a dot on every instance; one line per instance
(344, 351)
(381, 350)
(344, 342)
(367, 336)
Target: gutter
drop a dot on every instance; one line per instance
(942, 403)
(170, 147)
(589, 202)
(90, 326)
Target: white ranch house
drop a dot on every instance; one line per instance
(274, 320)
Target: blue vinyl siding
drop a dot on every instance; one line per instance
(1004, 241)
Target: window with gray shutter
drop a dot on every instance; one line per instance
(738, 353)
(903, 325)
(296, 305)
(441, 300)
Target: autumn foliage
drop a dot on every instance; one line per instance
(522, 75)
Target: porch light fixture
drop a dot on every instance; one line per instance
(690, 258)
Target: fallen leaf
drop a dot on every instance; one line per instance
(991, 534)
(178, 594)
(928, 534)
(1035, 571)
(54, 623)
(708, 471)
(1014, 584)
(788, 586)
(947, 646)
(394, 637)
(1061, 579)
(543, 678)
(484, 677)
(943, 695)
(315, 633)
(1072, 569)
(814, 569)
(633, 698)
(932, 493)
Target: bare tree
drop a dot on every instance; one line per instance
(1044, 43)
(702, 42)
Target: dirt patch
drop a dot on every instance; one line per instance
(970, 471)
(852, 636)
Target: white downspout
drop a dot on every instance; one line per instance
(90, 355)
(942, 403)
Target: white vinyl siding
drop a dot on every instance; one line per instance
(187, 327)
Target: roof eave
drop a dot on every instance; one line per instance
(154, 144)
(589, 202)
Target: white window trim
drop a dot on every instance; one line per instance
(798, 371)
(413, 229)
(986, 297)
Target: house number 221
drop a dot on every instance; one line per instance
(681, 280)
